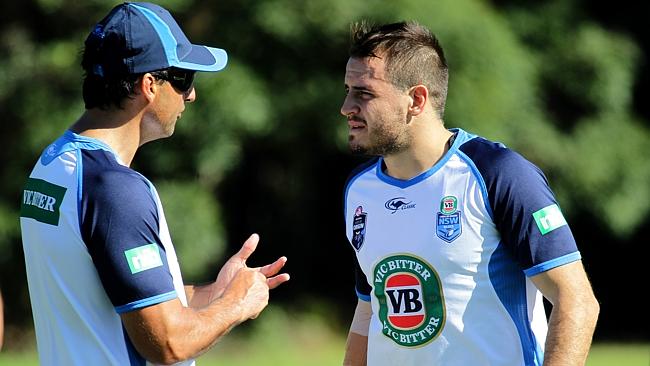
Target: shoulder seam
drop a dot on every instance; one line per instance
(477, 173)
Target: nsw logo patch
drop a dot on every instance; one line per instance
(143, 258)
(411, 302)
(448, 220)
(549, 218)
(359, 228)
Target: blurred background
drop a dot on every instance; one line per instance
(264, 148)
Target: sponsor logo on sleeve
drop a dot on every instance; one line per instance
(411, 302)
(549, 218)
(143, 258)
(359, 228)
(448, 220)
(42, 201)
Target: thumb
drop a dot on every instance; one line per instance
(248, 248)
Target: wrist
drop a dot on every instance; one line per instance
(233, 305)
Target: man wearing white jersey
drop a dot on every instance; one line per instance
(104, 281)
(456, 238)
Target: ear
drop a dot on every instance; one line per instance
(419, 95)
(148, 87)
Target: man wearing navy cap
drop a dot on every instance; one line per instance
(104, 281)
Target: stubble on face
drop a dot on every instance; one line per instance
(375, 110)
(167, 112)
(387, 135)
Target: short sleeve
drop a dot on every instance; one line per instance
(119, 224)
(362, 287)
(524, 208)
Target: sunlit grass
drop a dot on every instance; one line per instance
(279, 338)
(619, 354)
(284, 339)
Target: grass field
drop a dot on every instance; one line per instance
(283, 340)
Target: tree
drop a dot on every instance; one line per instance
(263, 148)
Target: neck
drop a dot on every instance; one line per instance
(119, 129)
(428, 146)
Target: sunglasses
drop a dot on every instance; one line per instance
(181, 80)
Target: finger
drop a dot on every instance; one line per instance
(276, 281)
(248, 248)
(273, 268)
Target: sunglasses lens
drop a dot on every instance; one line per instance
(182, 80)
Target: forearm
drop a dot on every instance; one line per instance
(200, 296)
(356, 347)
(356, 350)
(196, 333)
(186, 333)
(570, 333)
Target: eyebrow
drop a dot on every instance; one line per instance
(359, 88)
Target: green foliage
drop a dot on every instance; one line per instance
(193, 218)
(592, 145)
(544, 79)
(9, 233)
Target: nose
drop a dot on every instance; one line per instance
(190, 96)
(349, 107)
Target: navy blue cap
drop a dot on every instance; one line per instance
(136, 38)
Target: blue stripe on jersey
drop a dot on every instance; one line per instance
(362, 287)
(71, 141)
(119, 213)
(539, 354)
(543, 267)
(510, 286)
(516, 189)
(401, 183)
(460, 138)
(135, 359)
(80, 181)
(480, 180)
(146, 302)
(363, 297)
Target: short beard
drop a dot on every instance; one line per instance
(383, 145)
(383, 141)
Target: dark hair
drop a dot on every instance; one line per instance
(103, 90)
(412, 56)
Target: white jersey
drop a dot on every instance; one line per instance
(96, 245)
(444, 258)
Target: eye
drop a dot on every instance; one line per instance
(364, 94)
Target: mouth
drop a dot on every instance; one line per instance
(356, 124)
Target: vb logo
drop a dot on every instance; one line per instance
(411, 302)
(404, 292)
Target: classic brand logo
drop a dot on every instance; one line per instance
(448, 220)
(549, 218)
(143, 258)
(398, 203)
(411, 302)
(42, 201)
(359, 227)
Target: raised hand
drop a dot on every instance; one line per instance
(238, 261)
(250, 291)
